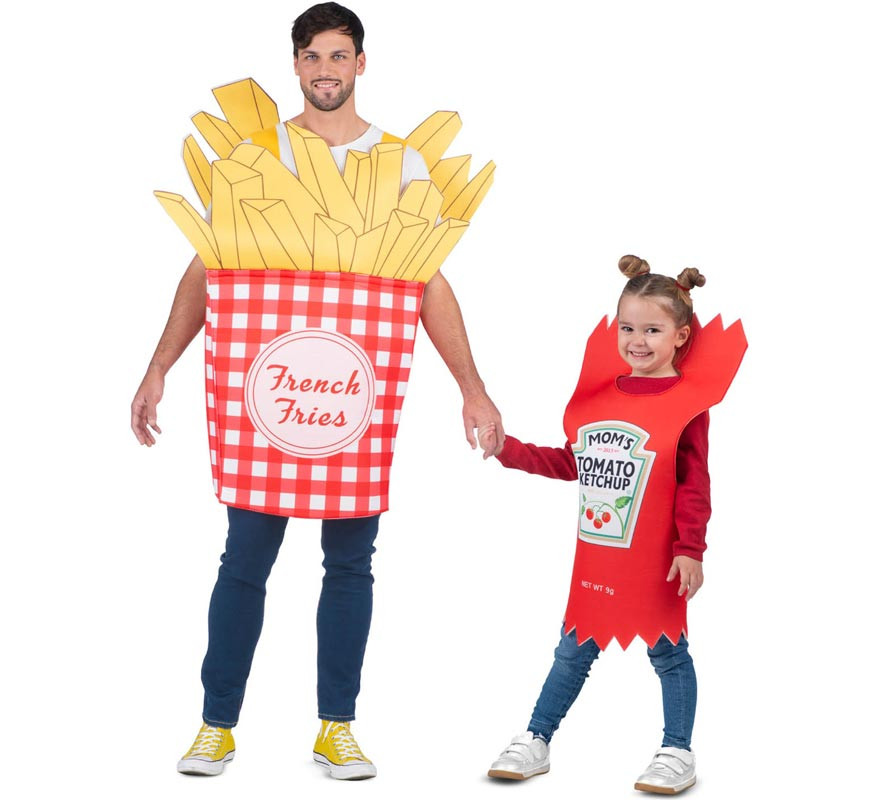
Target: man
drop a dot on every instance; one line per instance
(328, 56)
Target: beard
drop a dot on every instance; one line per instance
(328, 103)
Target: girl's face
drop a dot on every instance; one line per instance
(647, 336)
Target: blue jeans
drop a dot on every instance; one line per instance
(571, 666)
(235, 616)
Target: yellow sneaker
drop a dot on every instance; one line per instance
(336, 749)
(210, 752)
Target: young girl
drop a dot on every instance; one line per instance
(638, 446)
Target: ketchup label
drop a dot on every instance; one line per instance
(613, 469)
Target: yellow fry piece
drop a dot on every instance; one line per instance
(338, 201)
(280, 183)
(401, 235)
(198, 168)
(302, 158)
(434, 135)
(334, 245)
(283, 227)
(218, 133)
(247, 154)
(433, 252)
(423, 199)
(357, 177)
(451, 176)
(319, 173)
(260, 215)
(233, 182)
(246, 106)
(386, 165)
(366, 250)
(469, 199)
(193, 227)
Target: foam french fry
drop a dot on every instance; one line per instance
(366, 250)
(218, 133)
(434, 136)
(338, 201)
(302, 157)
(233, 182)
(386, 165)
(401, 235)
(451, 176)
(246, 106)
(281, 226)
(272, 250)
(279, 182)
(190, 222)
(357, 178)
(248, 154)
(467, 202)
(198, 168)
(334, 245)
(422, 199)
(434, 250)
(264, 216)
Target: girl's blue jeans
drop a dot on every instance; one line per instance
(235, 616)
(571, 666)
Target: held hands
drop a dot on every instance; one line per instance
(488, 438)
(690, 572)
(143, 407)
(480, 413)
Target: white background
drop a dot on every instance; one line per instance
(737, 137)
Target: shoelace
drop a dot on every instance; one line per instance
(344, 742)
(207, 741)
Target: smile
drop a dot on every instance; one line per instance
(325, 84)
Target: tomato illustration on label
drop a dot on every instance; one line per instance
(613, 469)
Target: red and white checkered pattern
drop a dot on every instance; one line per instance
(249, 308)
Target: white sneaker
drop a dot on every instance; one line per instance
(672, 770)
(525, 756)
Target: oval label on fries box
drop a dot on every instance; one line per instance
(311, 392)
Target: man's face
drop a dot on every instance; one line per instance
(327, 69)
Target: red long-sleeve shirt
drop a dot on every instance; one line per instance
(692, 497)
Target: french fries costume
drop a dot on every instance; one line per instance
(315, 283)
(625, 447)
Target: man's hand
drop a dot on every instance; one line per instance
(691, 575)
(441, 317)
(143, 407)
(184, 322)
(479, 412)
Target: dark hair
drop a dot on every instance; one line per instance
(675, 291)
(326, 17)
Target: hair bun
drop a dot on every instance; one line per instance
(690, 277)
(631, 266)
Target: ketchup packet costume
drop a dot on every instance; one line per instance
(315, 283)
(624, 447)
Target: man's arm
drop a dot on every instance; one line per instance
(442, 319)
(184, 322)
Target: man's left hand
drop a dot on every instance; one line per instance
(477, 412)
